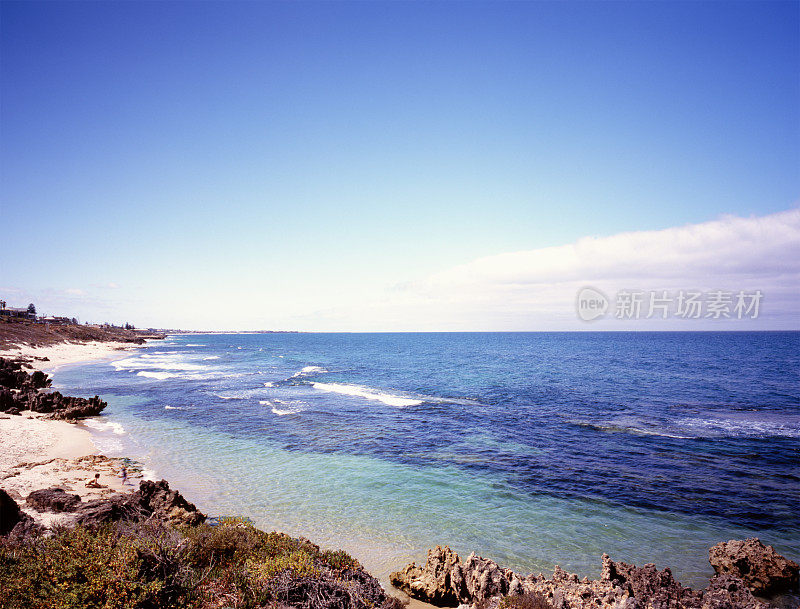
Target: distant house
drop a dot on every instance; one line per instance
(51, 319)
(15, 312)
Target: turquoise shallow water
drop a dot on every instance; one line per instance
(532, 449)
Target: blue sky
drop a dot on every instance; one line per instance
(299, 165)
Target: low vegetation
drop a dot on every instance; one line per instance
(150, 564)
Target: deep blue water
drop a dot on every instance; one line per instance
(530, 448)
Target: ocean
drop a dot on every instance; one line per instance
(532, 449)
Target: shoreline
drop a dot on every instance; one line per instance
(50, 358)
(40, 453)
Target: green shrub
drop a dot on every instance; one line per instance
(150, 565)
(340, 560)
(78, 568)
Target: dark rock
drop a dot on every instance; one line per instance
(763, 570)
(39, 379)
(10, 514)
(101, 511)
(15, 523)
(71, 408)
(62, 407)
(153, 500)
(53, 500)
(13, 410)
(157, 499)
(7, 399)
(28, 396)
(12, 376)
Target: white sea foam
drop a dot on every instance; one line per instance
(211, 357)
(158, 375)
(282, 408)
(160, 362)
(229, 397)
(653, 432)
(743, 426)
(168, 407)
(309, 370)
(367, 393)
(194, 345)
(269, 384)
(103, 426)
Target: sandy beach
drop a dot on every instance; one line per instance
(51, 357)
(40, 453)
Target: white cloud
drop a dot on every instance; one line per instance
(730, 248)
(536, 289)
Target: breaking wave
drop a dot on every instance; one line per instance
(370, 394)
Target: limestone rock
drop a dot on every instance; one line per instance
(729, 592)
(480, 583)
(658, 588)
(431, 583)
(481, 578)
(762, 569)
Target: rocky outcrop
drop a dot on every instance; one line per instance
(647, 582)
(19, 391)
(13, 376)
(480, 578)
(60, 406)
(53, 500)
(167, 504)
(445, 580)
(153, 500)
(71, 408)
(728, 592)
(760, 567)
(109, 509)
(431, 583)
